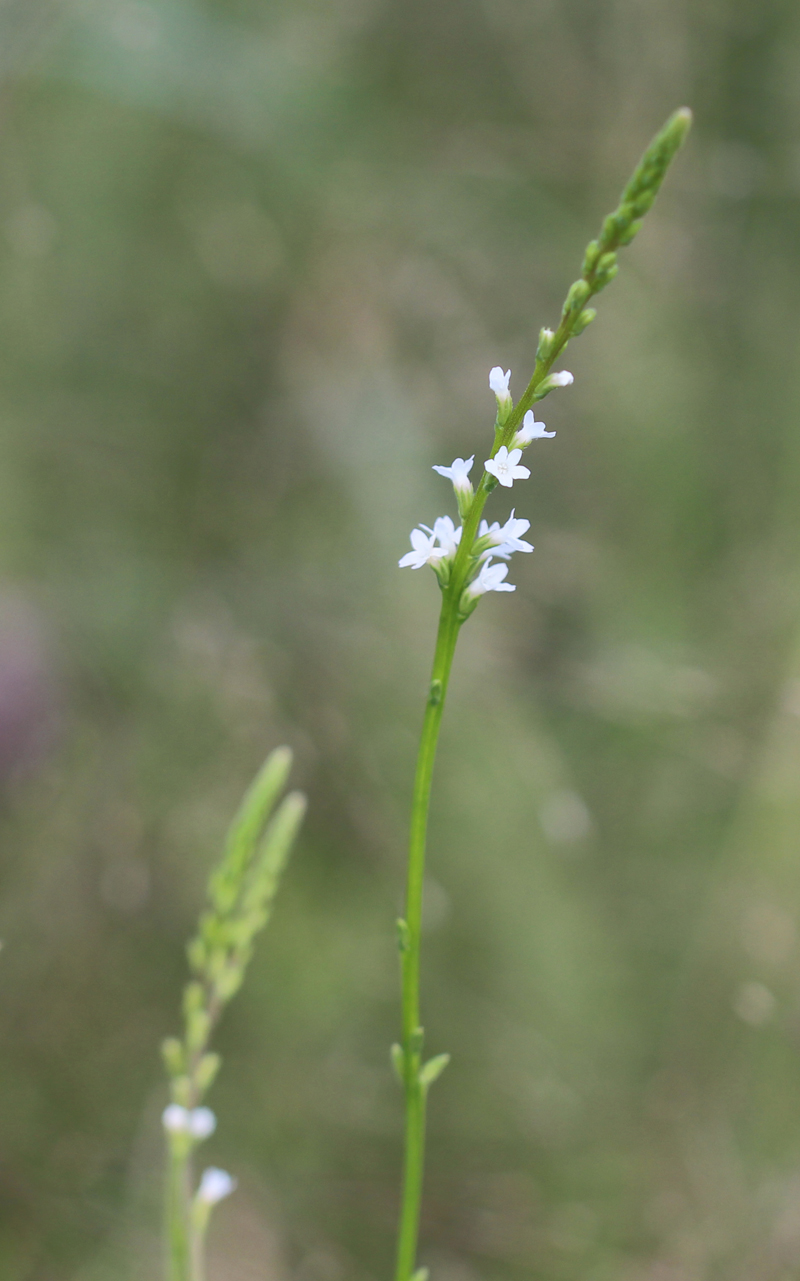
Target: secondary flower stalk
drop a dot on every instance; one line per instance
(240, 894)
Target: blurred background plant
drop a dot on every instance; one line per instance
(256, 260)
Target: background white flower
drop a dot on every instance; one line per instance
(202, 1123)
(175, 1119)
(214, 1185)
(199, 1122)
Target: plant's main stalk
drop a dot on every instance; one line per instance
(458, 565)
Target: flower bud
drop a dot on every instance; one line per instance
(584, 319)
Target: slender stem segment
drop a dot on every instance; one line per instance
(410, 938)
(178, 1247)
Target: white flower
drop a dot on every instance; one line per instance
(530, 430)
(490, 579)
(425, 552)
(506, 538)
(449, 537)
(199, 1123)
(458, 473)
(498, 383)
(562, 379)
(202, 1122)
(504, 466)
(175, 1119)
(215, 1185)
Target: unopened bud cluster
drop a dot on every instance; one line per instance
(240, 892)
(620, 227)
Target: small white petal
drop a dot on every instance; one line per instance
(175, 1119)
(202, 1123)
(562, 379)
(215, 1185)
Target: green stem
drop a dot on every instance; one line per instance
(177, 1214)
(415, 1091)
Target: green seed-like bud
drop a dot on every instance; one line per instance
(614, 226)
(585, 318)
(640, 206)
(590, 257)
(578, 296)
(196, 953)
(172, 1053)
(398, 1062)
(402, 935)
(433, 1069)
(545, 347)
(198, 1027)
(206, 1071)
(605, 279)
(633, 229)
(194, 997)
(182, 1091)
(441, 569)
(229, 983)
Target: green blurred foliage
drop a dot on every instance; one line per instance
(256, 261)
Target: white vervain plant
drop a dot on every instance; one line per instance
(470, 560)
